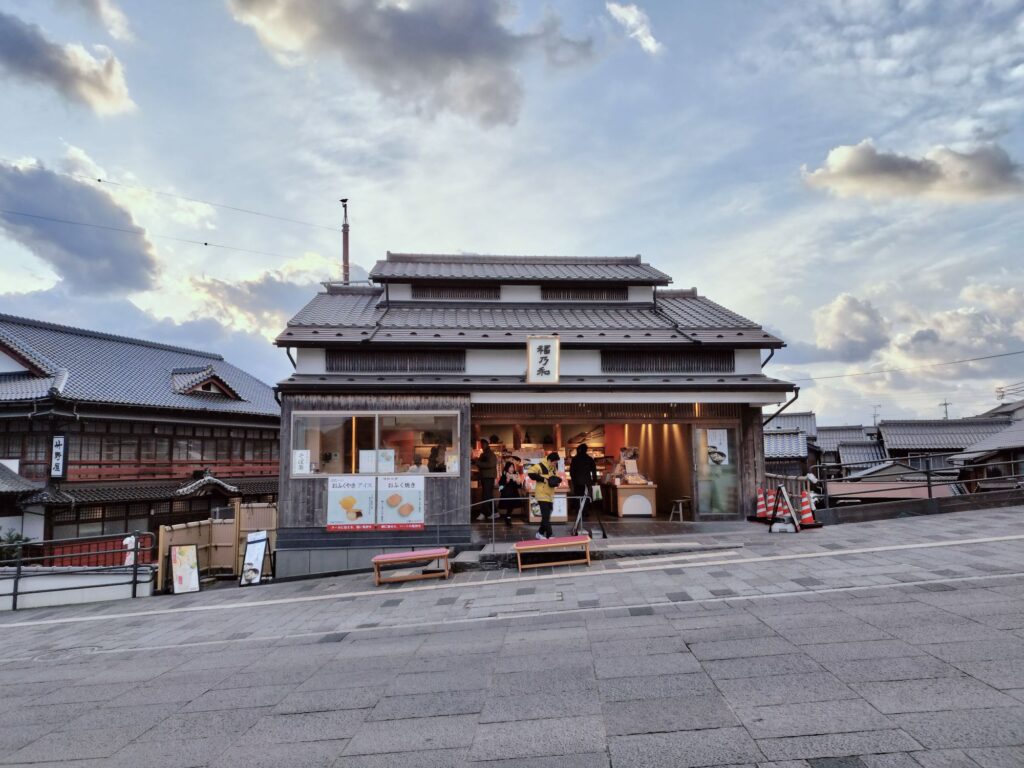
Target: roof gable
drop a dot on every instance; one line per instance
(937, 434)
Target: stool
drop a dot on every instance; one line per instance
(677, 508)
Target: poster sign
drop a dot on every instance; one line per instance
(718, 447)
(351, 502)
(255, 554)
(184, 568)
(367, 462)
(57, 456)
(400, 502)
(386, 461)
(300, 462)
(542, 353)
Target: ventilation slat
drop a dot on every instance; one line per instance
(575, 293)
(456, 293)
(675, 361)
(397, 361)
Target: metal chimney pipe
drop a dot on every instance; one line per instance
(344, 242)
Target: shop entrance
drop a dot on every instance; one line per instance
(644, 467)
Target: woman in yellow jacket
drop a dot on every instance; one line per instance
(544, 474)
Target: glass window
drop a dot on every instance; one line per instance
(333, 441)
(111, 448)
(419, 440)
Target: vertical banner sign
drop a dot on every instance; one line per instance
(400, 502)
(300, 462)
(351, 502)
(57, 456)
(542, 359)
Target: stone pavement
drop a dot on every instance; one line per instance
(897, 644)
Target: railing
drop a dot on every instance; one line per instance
(494, 504)
(927, 478)
(106, 555)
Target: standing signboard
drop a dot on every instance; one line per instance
(255, 554)
(400, 502)
(351, 502)
(57, 456)
(185, 568)
(542, 353)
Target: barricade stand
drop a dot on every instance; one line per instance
(775, 522)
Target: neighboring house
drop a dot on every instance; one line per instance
(14, 488)
(442, 350)
(829, 438)
(856, 455)
(118, 434)
(787, 452)
(1013, 411)
(892, 481)
(804, 421)
(929, 442)
(995, 462)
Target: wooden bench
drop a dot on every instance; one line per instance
(415, 556)
(555, 543)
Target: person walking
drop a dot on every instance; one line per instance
(487, 466)
(582, 474)
(509, 489)
(546, 478)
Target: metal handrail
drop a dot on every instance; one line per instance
(19, 561)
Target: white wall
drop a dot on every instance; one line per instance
(748, 361)
(641, 293)
(310, 360)
(100, 589)
(520, 293)
(512, 362)
(399, 292)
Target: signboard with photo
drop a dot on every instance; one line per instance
(255, 554)
(718, 447)
(542, 353)
(400, 502)
(351, 502)
(386, 460)
(184, 568)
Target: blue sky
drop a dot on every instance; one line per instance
(846, 173)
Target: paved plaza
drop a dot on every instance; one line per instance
(897, 644)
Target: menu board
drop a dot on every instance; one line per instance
(400, 502)
(351, 503)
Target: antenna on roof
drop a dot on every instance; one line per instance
(344, 242)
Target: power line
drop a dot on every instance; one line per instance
(140, 233)
(206, 202)
(912, 368)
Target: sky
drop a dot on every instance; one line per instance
(846, 173)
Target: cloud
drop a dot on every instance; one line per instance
(636, 24)
(943, 174)
(435, 55)
(91, 260)
(850, 328)
(108, 13)
(97, 82)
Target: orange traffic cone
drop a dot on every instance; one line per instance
(762, 508)
(807, 511)
(769, 500)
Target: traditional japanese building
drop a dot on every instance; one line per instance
(397, 381)
(105, 434)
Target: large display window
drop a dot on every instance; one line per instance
(412, 442)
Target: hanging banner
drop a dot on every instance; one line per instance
(57, 456)
(351, 502)
(542, 353)
(400, 502)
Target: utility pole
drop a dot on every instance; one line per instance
(344, 242)
(945, 404)
(874, 413)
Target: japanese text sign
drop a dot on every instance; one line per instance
(542, 354)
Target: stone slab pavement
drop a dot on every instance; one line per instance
(882, 645)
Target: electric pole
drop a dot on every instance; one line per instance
(945, 404)
(874, 413)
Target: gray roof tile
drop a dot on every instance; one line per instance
(103, 368)
(12, 482)
(785, 444)
(854, 452)
(828, 438)
(937, 434)
(806, 422)
(408, 267)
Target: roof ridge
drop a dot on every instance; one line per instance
(964, 420)
(500, 258)
(106, 336)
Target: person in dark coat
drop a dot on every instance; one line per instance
(582, 473)
(510, 489)
(487, 466)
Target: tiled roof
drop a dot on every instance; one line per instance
(87, 366)
(1011, 437)
(508, 269)
(805, 422)
(204, 482)
(353, 315)
(12, 482)
(855, 452)
(1005, 409)
(114, 493)
(785, 444)
(830, 437)
(937, 434)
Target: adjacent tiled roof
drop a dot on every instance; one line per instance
(511, 269)
(855, 452)
(203, 482)
(1004, 409)
(805, 422)
(12, 482)
(352, 314)
(830, 437)
(1011, 437)
(130, 492)
(785, 444)
(88, 366)
(938, 434)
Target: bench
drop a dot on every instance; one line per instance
(405, 558)
(554, 543)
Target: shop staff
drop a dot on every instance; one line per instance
(546, 478)
(487, 466)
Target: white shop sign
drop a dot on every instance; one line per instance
(542, 359)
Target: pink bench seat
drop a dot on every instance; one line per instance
(556, 542)
(412, 556)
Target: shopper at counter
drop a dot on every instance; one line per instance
(546, 479)
(582, 473)
(510, 489)
(487, 466)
